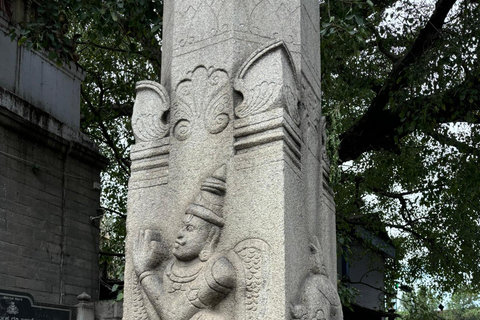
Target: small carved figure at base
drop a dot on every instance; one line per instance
(319, 299)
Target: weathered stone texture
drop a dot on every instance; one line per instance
(243, 81)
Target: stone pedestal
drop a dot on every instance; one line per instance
(236, 119)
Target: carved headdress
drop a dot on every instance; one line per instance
(208, 204)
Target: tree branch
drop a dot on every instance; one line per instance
(381, 46)
(376, 129)
(417, 235)
(125, 109)
(124, 216)
(366, 284)
(115, 49)
(106, 135)
(403, 202)
(450, 141)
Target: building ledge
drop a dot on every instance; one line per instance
(18, 113)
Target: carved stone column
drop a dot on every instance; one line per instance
(241, 92)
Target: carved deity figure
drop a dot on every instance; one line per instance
(197, 278)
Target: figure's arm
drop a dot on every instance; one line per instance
(152, 285)
(220, 281)
(224, 273)
(149, 253)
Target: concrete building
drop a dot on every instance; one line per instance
(364, 269)
(49, 174)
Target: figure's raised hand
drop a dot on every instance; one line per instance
(149, 251)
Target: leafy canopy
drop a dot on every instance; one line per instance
(400, 84)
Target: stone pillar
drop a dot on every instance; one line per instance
(240, 91)
(85, 307)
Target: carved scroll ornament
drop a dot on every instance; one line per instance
(267, 80)
(205, 95)
(150, 112)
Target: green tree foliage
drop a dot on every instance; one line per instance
(400, 81)
(463, 305)
(420, 305)
(424, 303)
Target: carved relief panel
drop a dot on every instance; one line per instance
(267, 80)
(202, 21)
(150, 112)
(207, 19)
(203, 98)
(189, 278)
(280, 25)
(318, 298)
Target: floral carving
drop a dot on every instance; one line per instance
(267, 80)
(203, 20)
(280, 26)
(150, 112)
(205, 96)
(259, 97)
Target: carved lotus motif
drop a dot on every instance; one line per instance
(260, 95)
(150, 112)
(205, 96)
(267, 80)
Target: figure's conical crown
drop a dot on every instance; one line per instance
(209, 202)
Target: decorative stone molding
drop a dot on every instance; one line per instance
(267, 80)
(150, 112)
(151, 157)
(268, 127)
(205, 95)
(269, 110)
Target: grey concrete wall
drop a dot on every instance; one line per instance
(48, 244)
(367, 271)
(48, 241)
(54, 90)
(108, 310)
